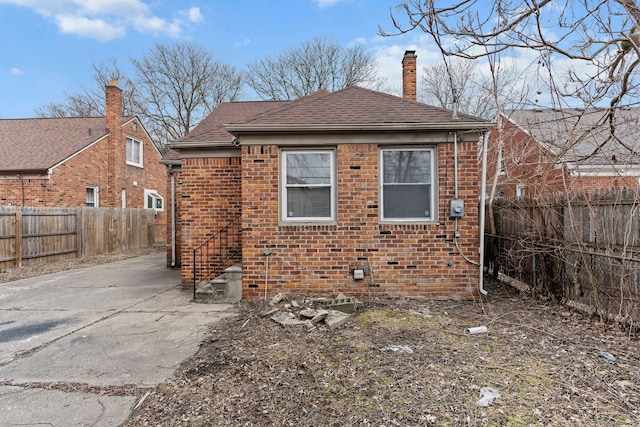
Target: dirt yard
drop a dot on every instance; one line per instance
(399, 363)
(408, 363)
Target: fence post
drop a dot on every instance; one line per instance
(19, 237)
(79, 232)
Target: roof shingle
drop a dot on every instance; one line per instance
(38, 144)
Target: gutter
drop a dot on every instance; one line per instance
(240, 128)
(483, 209)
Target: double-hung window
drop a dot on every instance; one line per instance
(308, 192)
(91, 196)
(407, 184)
(134, 152)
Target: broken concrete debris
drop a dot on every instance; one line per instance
(344, 304)
(306, 313)
(275, 300)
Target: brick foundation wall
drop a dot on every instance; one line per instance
(413, 260)
(210, 199)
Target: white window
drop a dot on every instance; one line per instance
(520, 190)
(91, 196)
(134, 152)
(308, 179)
(407, 184)
(152, 200)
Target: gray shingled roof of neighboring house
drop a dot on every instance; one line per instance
(37, 144)
(580, 136)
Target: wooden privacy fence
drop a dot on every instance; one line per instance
(37, 235)
(584, 249)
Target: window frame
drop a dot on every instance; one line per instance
(284, 218)
(433, 191)
(502, 164)
(96, 199)
(156, 197)
(140, 152)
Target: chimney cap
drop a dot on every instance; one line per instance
(409, 53)
(113, 82)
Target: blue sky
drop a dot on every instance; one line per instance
(47, 46)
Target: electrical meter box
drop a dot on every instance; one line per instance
(457, 208)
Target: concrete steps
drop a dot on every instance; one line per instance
(225, 288)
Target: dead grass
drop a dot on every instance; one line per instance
(408, 363)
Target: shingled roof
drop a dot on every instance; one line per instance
(212, 130)
(583, 136)
(35, 145)
(350, 108)
(358, 106)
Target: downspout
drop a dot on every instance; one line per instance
(173, 217)
(483, 195)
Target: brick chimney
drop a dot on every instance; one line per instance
(116, 144)
(409, 78)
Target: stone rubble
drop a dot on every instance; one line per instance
(309, 312)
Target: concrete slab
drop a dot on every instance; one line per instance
(127, 325)
(142, 348)
(24, 407)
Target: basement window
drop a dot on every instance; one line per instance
(153, 200)
(308, 192)
(407, 184)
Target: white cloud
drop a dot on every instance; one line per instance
(16, 71)
(326, 3)
(195, 15)
(108, 19)
(242, 43)
(92, 28)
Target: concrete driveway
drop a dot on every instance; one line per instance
(83, 347)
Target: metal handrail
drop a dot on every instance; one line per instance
(218, 252)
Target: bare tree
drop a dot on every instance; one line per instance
(90, 101)
(598, 39)
(316, 64)
(474, 91)
(174, 88)
(179, 85)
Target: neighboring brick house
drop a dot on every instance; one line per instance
(549, 150)
(316, 210)
(87, 161)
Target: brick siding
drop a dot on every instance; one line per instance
(413, 260)
(209, 195)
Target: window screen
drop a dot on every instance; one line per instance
(308, 185)
(407, 184)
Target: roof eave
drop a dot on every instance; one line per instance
(199, 144)
(17, 172)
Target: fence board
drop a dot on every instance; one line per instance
(588, 257)
(37, 235)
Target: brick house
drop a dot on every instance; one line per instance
(550, 150)
(316, 214)
(106, 161)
